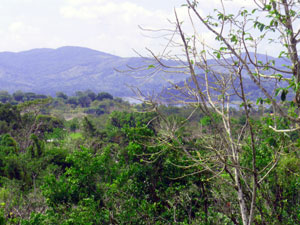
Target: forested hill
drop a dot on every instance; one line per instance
(66, 69)
(47, 71)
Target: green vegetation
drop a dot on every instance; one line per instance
(95, 159)
(126, 167)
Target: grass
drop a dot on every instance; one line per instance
(76, 135)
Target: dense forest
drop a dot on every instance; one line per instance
(212, 155)
(104, 161)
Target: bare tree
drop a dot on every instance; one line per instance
(218, 77)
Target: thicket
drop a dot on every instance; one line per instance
(202, 163)
(124, 167)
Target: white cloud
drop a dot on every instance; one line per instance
(110, 10)
(19, 32)
(116, 23)
(82, 13)
(20, 27)
(105, 25)
(229, 3)
(20, 35)
(80, 2)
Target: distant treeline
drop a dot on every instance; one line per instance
(82, 98)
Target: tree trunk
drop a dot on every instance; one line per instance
(241, 198)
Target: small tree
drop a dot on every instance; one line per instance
(5, 97)
(104, 95)
(61, 95)
(19, 96)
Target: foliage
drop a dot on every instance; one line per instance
(130, 171)
(201, 163)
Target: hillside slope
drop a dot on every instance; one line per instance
(69, 69)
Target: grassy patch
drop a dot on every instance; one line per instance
(76, 135)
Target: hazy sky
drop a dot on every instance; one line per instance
(106, 25)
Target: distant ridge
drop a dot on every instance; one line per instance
(69, 69)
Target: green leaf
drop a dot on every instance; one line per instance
(272, 62)
(218, 55)
(279, 76)
(151, 66)
(259, 101)
(268, 7)
(267, 101)
(277, 91)
(272, 142)
(245, 12)
(221, 16)
(261, 27)
(218, 38)
(283, 95)
(221, 97)
(234, 39)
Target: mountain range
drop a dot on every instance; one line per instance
(70, 69)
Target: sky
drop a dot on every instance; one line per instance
(110, 26)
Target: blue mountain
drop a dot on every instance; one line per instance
(69, 69)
